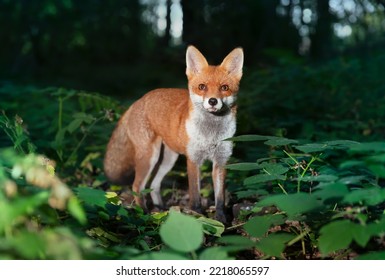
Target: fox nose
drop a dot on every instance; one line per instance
(213, 101)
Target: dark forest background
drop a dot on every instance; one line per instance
(313, 60)
(116, 47)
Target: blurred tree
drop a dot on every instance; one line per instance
(49, 30)
(219, 26)
(167, 32)
(194, 21)
(321, 38)
(57, 36)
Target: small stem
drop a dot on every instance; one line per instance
(313, 159)
(194, 255)
(282, 188)
(299, 182)
(303, 246)
(298, 237)
(279, 184)
(291, 157)
(235, 226)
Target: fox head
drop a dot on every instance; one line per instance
(213, 88)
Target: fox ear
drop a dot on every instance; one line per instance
(195, 61)
(233, 63)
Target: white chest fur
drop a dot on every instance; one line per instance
(206, 133)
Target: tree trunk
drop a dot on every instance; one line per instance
(321, 40)
(193, 20)
(167, 34)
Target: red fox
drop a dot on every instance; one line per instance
(191, 122)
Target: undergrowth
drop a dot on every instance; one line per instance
(312, 189)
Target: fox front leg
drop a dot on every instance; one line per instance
(194, 182)
(218, 175)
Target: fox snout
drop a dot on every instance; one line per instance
(216, 104)
(212, 104)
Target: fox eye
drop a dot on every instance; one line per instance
(224, 87)
(202, 86)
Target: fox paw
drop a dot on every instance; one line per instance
(220, 217)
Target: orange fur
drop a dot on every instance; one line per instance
(191, 122)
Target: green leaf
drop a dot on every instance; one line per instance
(274, 168)
(335, 236)
(351, 163)
(243, 138)
(331, 190)
(211, 227)
(243, 166)
(312, 148)
(100, 232)
(280, 141)
(76, 210)
(376, 158)
(19, 140)
(92, 196)
(339, 234)
(61, 243)
(215, 253)
(328, 145)
(237, 241)
(251, 192)
(274, 244)
(160, 256)
(122, 212)
(112, 197)
(377, 169)
(342, 143)
(146, 191)
(349, 180)
(79, 119)
(262, 178)
(318, 178)
(10, 212)
(377, 228)
(182, 233)
(28, 245)
(84, 117)
(361, 234)
(372, 256)
(159, 215)
(270, 140)
(259, 225)
(74, 125)
(371, 196)
(293, 204)
(369, 147)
